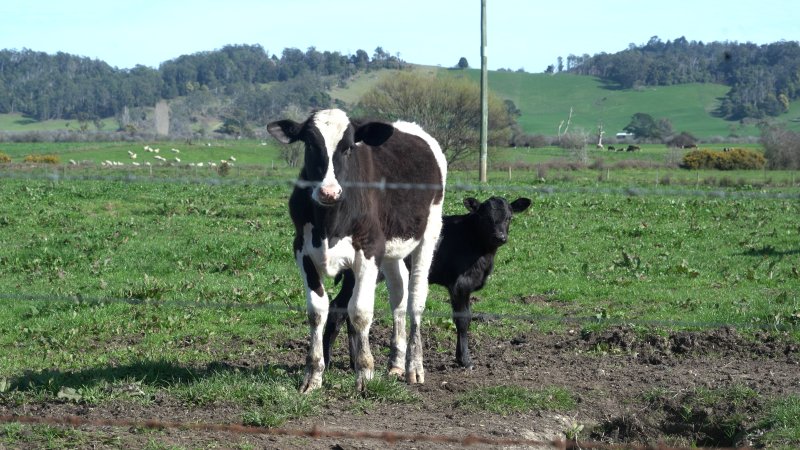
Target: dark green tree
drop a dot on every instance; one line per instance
(643, 125)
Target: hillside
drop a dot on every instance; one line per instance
(545, 100)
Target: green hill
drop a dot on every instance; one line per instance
(545, 100)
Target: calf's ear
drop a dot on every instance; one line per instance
(373, 133)
(285, 131)
(520, 204)
(472, 204)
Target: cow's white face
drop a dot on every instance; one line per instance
(332, 125)
(329, 137)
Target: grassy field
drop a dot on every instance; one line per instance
(120, 289)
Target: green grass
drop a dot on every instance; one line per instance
(245, 152)
(782, 423)
(18, 122)
(120, 290)
(507, 400)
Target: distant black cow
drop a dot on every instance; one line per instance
(342, 223)
(463, 260)
(633, 148)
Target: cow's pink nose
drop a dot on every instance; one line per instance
(329, 193)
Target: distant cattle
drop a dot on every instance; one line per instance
(633, 148)
(463, 260)
(611, 148)
(343, 220)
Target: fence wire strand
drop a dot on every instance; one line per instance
(476, 316)
(629, 191)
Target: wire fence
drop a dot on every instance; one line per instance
(596, 319)
(519, 188)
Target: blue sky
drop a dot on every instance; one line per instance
(521, 33)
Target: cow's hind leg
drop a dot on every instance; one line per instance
(396, 274)
(317, 307)
(360, 309)
(418, 294)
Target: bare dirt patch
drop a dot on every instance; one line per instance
(630, 388)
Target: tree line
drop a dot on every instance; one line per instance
(65, 86)
(763, 78)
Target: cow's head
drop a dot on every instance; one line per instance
(494, 216)
(330, 137)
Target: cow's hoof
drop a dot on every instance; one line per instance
(363, 377)
(397, 373)
(415, 376)
(311, 383)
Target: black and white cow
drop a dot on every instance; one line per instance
(463, 260)
(344, 220)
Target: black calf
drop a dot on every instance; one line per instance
(463, 260)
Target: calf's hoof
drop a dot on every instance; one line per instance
(397, 372)
(416, 376)
(310, 383)
(363, 377)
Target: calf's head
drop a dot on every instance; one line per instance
(330, 138)
(494, 217)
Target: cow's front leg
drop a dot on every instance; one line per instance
(317, 306)
(360, 310)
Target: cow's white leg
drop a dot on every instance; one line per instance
(418, 293)
(360, 309)
(396, 275)
(317, 306)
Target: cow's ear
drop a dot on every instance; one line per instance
(472, 204)
(520, 204)
(373, 133)
(285, 131)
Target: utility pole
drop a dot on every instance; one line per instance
(484, 96)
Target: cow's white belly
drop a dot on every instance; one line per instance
(400, 248)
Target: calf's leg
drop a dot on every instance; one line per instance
(336, 316)
(360, 310)
(317, 307)
(462, 316)
(396, 274)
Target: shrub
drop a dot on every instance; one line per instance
(734, 159)
(4, 158)
(42, 159)
(781, 147)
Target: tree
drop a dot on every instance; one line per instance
(448, 108)
(781, 147)
(643, 125)
(683, 140)
(462, 63)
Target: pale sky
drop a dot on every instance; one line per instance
(524, 34)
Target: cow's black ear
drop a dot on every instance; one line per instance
(373, 133)
(520, 204)
(472, 204)
(285, 131)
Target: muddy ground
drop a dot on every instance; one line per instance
(630, 388)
